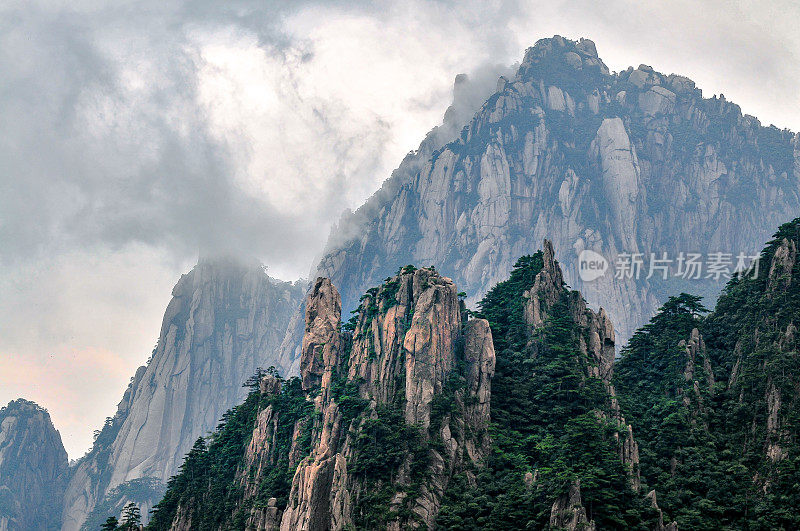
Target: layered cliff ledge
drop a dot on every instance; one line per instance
(33, 468)
(225, 319)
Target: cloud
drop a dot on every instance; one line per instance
(235, 127)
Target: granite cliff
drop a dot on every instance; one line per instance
(225, 319)
(388, 424)
(628, 162)
(392, 403)
(564, 149)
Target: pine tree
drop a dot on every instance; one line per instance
(131, 517)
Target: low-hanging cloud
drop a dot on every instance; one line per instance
(106, 141)
(139, 134)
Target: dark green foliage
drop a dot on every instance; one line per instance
(291, 405)
(708, 457)
(544, 424)
(651, 387)
(346, 394)
(384, 443)
(702, 446)
(205, 483)
(503, 304)
(110, 524)
(131, 517)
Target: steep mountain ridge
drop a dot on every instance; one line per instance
(224, 320)
(468, 96)
(33, 468)
(629, 162)
(563, 455)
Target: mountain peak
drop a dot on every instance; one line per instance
(21, 405)
(557, 51)
(33, 464)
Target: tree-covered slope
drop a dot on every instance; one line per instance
(387, 408)
(413, 415)
(714, 399)
(404, 417)
(562, 454)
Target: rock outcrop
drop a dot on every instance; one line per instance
(407, 342)
(629, 162)
(225, 320)
(568, 512)
(33, 468)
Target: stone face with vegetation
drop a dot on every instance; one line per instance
(714, 399)
(517, 415)
(33, 468)
(562, 453)
(628, 162)
(388, 406)
(416, 414)
(419, 413)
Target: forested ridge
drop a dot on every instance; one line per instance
(709, 396)
(713, 398)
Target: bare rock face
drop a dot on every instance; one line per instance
(225, 320)
(546, 289)
(321, 342)
(569, 513)
(697, 371)
(660, 526)
(480, 359)
(634, 162)
(402, 349)
(780, 270)
(33, 467)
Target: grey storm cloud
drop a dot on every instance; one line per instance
(107, 140)
(91, 156)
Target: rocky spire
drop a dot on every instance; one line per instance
(321, 343)
(596, 344)
(568, 512)
(407, 340)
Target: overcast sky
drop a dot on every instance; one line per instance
(133, 134)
